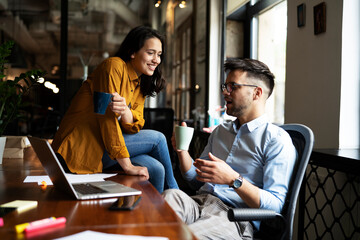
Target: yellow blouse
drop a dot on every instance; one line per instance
(84, 135)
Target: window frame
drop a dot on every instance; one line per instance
(246, 14)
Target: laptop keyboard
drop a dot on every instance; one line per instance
(88, 189)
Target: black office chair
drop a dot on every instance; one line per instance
(162, 120)
(280, 225)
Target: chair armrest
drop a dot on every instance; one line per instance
(251, 214)
(272, 225)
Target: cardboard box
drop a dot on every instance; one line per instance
(17, 142)
(13, 153)
(15, 145)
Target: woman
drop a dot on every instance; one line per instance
(91, 143)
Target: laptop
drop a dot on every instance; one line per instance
(81, 191)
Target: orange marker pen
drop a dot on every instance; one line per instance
(43, 185)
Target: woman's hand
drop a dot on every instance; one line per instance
(137, 170)
(130, 169)
(118, 105)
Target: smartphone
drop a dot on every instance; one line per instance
(126, 203)
(6, 210)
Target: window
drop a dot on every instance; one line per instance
(258, 30)
(181, 72)
(271, 49)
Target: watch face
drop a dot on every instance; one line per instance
(237, 183)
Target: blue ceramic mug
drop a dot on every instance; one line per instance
(101, 102)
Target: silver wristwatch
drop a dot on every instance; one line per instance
(237, 182)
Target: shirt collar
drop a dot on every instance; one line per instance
(132, 74)
(253, 124)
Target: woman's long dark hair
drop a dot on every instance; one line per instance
(133, 42)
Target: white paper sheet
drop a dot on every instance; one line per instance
(38, 179)
(84, 178)
(86, 235)
(73, 178)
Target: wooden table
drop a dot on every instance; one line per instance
(152, 216)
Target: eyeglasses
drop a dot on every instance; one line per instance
(230, 86)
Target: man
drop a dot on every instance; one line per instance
(246, 163)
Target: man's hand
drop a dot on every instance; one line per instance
(214, 171)
(173, 139)
(219, 172)
(184, 157)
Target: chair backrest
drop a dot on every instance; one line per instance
(303, 140)
(162, 120)
(198, 143)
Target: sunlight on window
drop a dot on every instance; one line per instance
(272, 51)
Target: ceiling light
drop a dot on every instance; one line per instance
(157, 3)
(51, 86)
(55, 69)
(182, 4)
(41, 80)
(55, 90)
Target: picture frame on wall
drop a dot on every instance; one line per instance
(320, 18)
(301, 15)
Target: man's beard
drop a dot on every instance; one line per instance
(239, 110)
(236, 111)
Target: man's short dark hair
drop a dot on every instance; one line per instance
(254, 69)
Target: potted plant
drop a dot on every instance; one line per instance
(12, 91)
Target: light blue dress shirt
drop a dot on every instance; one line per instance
(260, 151)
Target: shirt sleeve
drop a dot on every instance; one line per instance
(281, 158)
(108, 78)
(190, 175)
(137, 111)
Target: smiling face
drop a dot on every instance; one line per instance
(147, 58)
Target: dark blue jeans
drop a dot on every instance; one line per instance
(148, 148)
